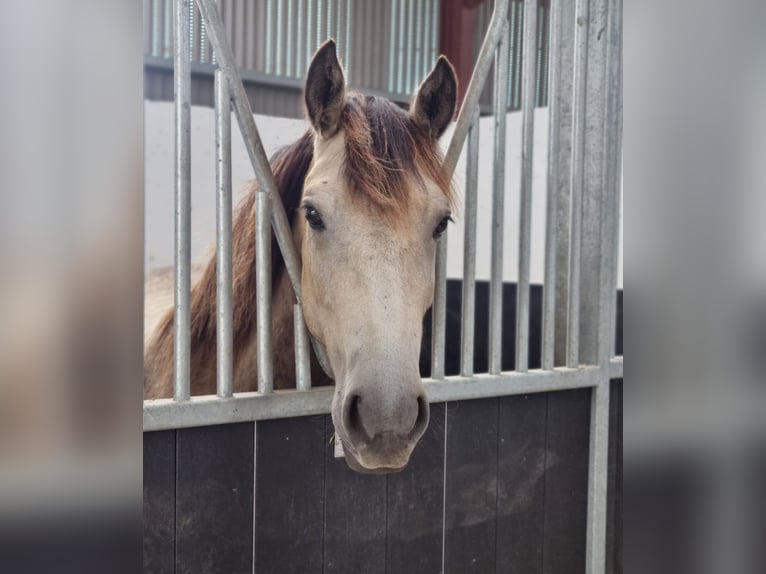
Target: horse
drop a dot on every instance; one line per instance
(367, 199)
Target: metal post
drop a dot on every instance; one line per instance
(525, 213)
(263, 291)
(224, 317)
(302, 351)
(469, 250)
(182, 279)
(498, 207)
(439, 310)
(497, 27)
(554, 133)
(578, 167)
(563, 59)
(602, 145)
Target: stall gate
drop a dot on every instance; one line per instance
(519, 471)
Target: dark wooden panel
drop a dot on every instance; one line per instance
(521, 483)
(289, 492)
(159, 502)
(614, 481)
(355, 517)
(471, 486)
(415, 505)
(214, 498)
(566, 481)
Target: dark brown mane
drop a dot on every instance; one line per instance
(385, 149)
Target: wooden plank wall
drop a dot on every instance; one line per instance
(496, 485)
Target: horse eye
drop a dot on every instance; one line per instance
(313, 217)
(442, 227)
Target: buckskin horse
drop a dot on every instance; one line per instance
(367, 199)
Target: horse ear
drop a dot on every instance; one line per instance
(325, 90)
(435, 102)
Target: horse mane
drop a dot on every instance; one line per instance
(384, 150)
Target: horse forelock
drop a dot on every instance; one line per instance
(386, 152)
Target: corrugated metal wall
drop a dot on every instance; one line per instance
(387, 46)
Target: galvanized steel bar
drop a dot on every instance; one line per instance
(182, 279)
(439, 310)
(163, 414)
(224, 314)
(564, 59)
(302, 351)
(263, 291)
(578, 167)
(498, 209)
(615, 367)
(554, 133)
(599, 235)
(497, 27)
(469, 250)
(529, 100)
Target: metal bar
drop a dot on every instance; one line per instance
(163, 414)
(598, 237)
(564, 59)
(498, 209)
(578, 160)
(182, 279)
(529, 99)
(497, 27)
(615, 368)
(439, 310)
(595, 552)
(302, 351)
(263, 290)
(469, 250)
(554, 134)
(269, 60)
(224, 313)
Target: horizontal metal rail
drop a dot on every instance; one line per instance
(163, 414)
(615, 368)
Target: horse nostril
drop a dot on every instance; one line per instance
(421, 422)
(352, 420)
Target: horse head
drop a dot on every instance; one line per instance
(375, 201)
